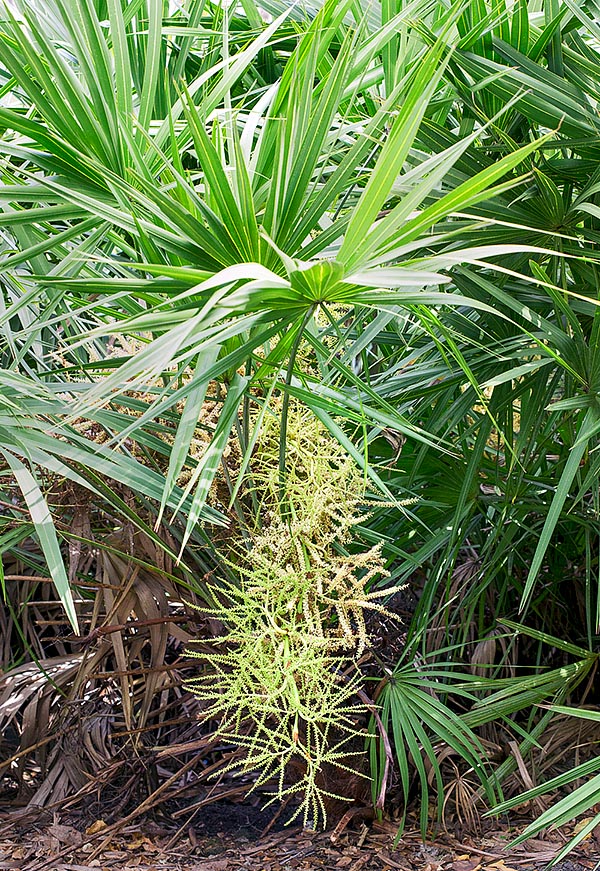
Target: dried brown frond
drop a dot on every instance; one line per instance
(85, 717)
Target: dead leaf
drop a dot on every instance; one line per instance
(97, 826)
(500, 865)
(581, 825)
(466, 865)
(66, 835)
(143, 842)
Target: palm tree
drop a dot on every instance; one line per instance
(384, 217)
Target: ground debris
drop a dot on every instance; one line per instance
(222, 844)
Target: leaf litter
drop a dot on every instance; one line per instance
(240, 837)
